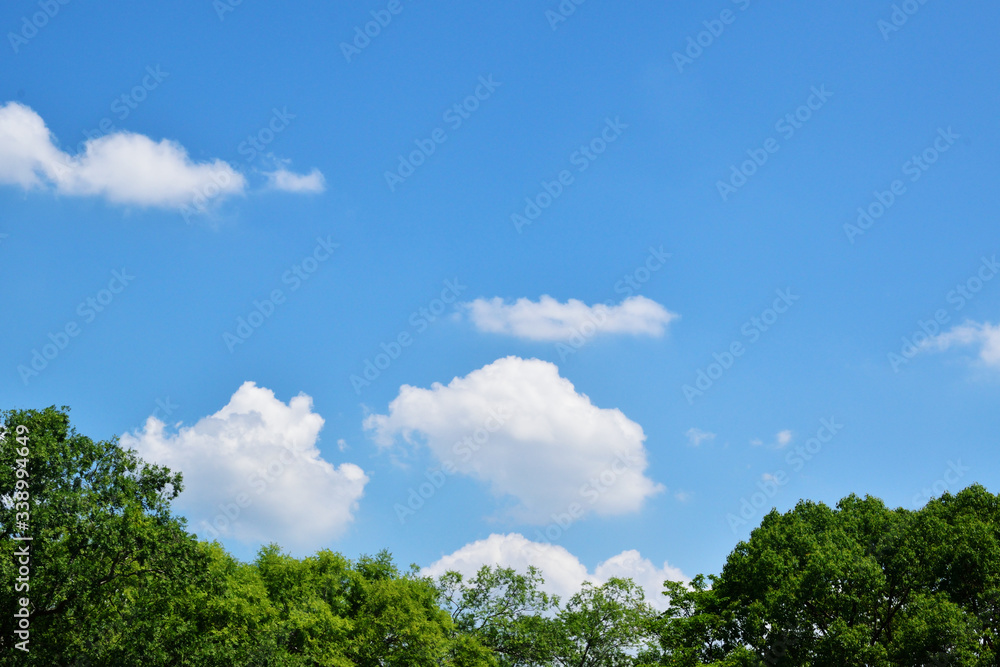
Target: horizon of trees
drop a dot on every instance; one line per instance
(115, 578)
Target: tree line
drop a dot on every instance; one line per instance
(114, 578)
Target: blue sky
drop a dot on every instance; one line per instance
(745, 159)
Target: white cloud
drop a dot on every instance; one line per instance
(122, 167)
(261, 453)
(289, 181)
(696, 436)
(550, 320)
(523, 429)
(683, 496)
(986, 336)
(781, 440)
(563, 572)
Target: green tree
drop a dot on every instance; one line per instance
(859, 584)
(102, 536)
(116, 579)
(604, 626)
(398, 622)
(505, 611)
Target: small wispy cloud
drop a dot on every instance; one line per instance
(781, 440)
(289, 181)
(696, 436)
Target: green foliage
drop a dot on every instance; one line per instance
(117, 580)
(860, 584)
(504, 611)
(103, 538)
(603, 625)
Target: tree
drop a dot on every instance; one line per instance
(505, 611)
(115, 579)
(856, 585)
(604, 626)
(102, 536)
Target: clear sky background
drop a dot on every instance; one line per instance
(886, 83)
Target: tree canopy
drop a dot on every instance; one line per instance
(116, 579)
(858, 584)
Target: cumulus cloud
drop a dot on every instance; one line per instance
(518, 426)
(563, 572)
(549, 320)
(122, 167)
(696, 436)
(252, 471)
(289, 181)
(985, 335)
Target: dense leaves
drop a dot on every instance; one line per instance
(859, 584)
(116, 579)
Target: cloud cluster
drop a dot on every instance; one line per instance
(781, 440)
(518, 426)
(257, 459)
(985, 335)
(563, 572)
(122, 167)
(549, 320)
